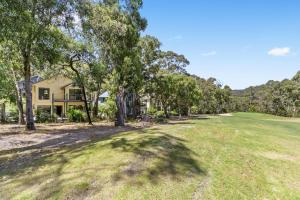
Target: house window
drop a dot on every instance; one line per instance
(44, 93)
(102, 99)
(75, 94)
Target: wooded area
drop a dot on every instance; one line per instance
(98, 44)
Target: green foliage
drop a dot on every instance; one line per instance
(159, 116)
(43, 116)
(174, 113)
(75, 115)
(107, 110)
(13, 115)
(274, 97)
(152, 110)
(195, 110)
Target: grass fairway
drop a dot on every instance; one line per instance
(246, 156)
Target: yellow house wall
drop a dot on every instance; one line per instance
(55, 85)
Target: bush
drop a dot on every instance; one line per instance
(159, 116)
(151, 111)
(194, 110)
(13, 116)
(174, 113)
(75, 115)
(108, 110)
(43, 117)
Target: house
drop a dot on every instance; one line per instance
(21, 84)
(103, 98)
(59, 94)
(56, 95)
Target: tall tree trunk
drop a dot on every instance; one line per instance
(166, 111)
(3, 112)
(19, 100)
(137, 106)
(20, 107)
(28, 86)
(96, 102)
(120, 114)
(86, 105)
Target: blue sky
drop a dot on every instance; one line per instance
(239, 42)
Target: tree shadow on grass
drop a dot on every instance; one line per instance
(157, 156)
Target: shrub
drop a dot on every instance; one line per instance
(174, 113)
(159, 116)
(194, 110)
(75, 115)
(13, 116)
(43, 117)
(107, 110)
(151, 111)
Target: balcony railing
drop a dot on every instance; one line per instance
(76, 97)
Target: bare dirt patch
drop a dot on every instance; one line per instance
(226, 115)
(19, 147)
(54, 135)
(201, 188)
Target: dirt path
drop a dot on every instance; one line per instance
(19, 148)
(53, 135)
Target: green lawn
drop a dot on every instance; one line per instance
(246, 156)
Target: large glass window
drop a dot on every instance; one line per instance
(75, 94)
(44, 93)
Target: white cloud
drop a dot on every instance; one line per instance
(211, 53)
(177, 37)
(280, 51)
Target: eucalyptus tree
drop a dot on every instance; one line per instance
(173, 62)
(6, 89)
(274, 97)
(165, 70)
(188, 93)
(75, 60)
(32, 26)
(97, 76)
(12, 68)
(117, 26)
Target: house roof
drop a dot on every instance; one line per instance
(34, 79)
(104, 95)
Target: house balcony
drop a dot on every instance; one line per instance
(72, 98)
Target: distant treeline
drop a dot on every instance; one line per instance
(275, 97)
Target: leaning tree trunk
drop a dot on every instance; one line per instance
(28, 86)
(120, 113)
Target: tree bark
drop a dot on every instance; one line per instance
(86, 105)
(3, 112)
(29, 113)
(137, 106)
(120, 114)
(19, 99)
(96, 102)
(166, 111)
(20, 107)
